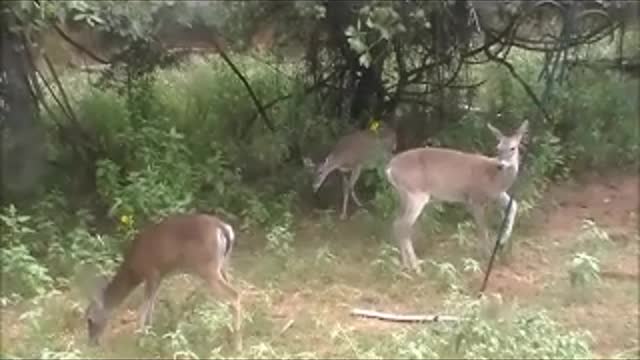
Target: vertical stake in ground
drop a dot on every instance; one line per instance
(495, 248)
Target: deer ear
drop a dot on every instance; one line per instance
(495, 131)
(524, 127)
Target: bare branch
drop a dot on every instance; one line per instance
(244, 80)
(277, 100)
(79, 46)
(523, 83)
(404, 318)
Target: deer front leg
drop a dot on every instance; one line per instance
(479, 214)
(403, 225)
(510, 217)
(152, 286)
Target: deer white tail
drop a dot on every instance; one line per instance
(226, 238)
(389, 174)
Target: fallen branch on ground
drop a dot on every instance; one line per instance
(403, 318)
(620, 275)
(286, 326)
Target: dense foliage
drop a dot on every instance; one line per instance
(157, 132)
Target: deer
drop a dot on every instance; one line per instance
(449, 175)
(352, 153)
(196, 244)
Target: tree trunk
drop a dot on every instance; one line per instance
(22, 143)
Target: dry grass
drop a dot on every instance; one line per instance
(298, 306)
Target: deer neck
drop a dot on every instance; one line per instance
(119, 288)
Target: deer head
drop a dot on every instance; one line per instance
(508, 146)
(96, 314)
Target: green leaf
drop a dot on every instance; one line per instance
(96, 19)
(384, 33)
(79, 16)
(320, 11)
(365, 59)
(370, 24)
(357, 45)
(350, 31)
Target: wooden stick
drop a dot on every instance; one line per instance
(286, 326)
(403, 318)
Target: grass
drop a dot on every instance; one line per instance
(297, 301)
(296, 306)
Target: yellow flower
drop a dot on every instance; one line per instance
(375, 124)
(126, 219)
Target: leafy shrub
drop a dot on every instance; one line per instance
(22, 273)
(280, 237)
(584, 270)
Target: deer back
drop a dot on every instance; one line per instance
(361, 146)
(449, 174)
(180, 243)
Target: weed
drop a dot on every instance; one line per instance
(447, 275)
(584, 273)
(464, 234)
(280, 237)
(388, 259)
(593, 237)
(471, 266)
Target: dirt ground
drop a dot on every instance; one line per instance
(612, 203)
(296, 308)
(537, 275)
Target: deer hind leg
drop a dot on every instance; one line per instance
(152, 285)
(345, 195)
(511, 216)
(355, 174)
(412, 205)
(216, 279)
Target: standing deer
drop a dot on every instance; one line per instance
(354, 152)
(197, 244)
(453, 176)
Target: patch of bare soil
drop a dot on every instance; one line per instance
(610, 202)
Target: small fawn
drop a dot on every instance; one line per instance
(197, 244)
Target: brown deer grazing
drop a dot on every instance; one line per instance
(196, 244)
(354, 152)
(453, 176)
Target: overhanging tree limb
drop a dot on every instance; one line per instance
(244, 80)
(306, 91)
(521, 81)
(79, 46)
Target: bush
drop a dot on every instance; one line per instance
(22, 273)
